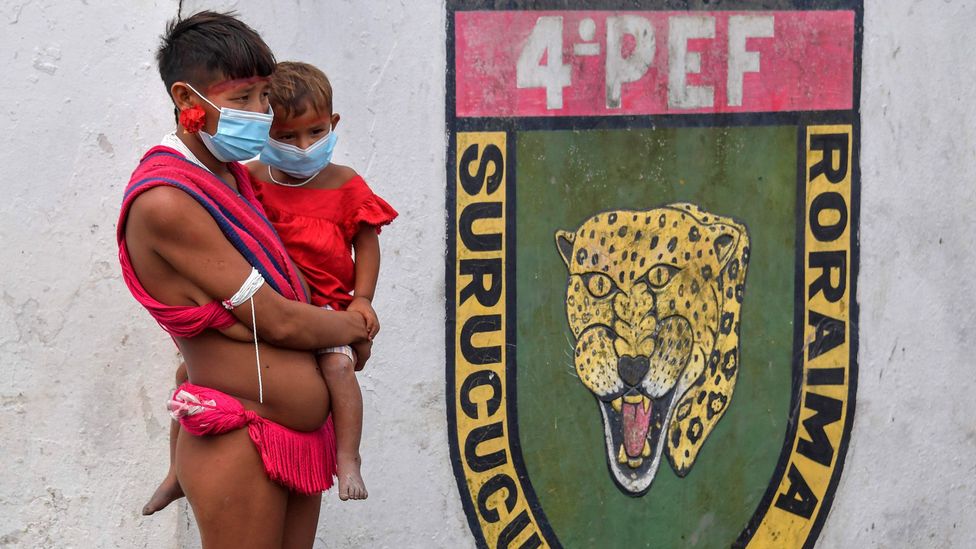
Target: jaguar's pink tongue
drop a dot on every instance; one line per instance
(636, 422)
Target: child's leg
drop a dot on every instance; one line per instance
(169, 490)
(347, 414)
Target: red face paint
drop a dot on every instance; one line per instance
(304, 121)
(235, 83)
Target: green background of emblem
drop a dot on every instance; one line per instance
(564, 177)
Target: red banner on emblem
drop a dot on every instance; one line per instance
(599, 63)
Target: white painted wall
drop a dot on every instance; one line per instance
(85, 371)
(910, 476)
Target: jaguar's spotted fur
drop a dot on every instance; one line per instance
(653, 300)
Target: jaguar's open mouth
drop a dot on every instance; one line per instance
(634, 425)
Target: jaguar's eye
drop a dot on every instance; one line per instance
(660, 275)
(598, 284)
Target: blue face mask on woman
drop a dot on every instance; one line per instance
(297, 162)
(240, 134)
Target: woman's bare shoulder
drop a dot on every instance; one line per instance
(164, 207)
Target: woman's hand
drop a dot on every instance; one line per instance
(363, 306)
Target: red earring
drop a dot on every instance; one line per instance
(193, 118)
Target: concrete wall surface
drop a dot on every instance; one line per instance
(85, 370)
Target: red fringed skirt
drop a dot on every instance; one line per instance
(304, 462)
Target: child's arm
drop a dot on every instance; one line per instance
(367, 247)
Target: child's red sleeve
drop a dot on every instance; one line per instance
(368, 209)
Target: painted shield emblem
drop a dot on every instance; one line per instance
(651, 311)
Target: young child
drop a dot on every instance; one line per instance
(322, 212)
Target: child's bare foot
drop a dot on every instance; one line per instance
(351, 485)
(168, 491)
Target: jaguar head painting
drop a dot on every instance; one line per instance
(653, 300)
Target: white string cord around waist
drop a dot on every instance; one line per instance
(246, 292)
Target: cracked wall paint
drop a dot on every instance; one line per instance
(85, 371)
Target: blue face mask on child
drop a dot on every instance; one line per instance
(297, 162)
(240, 134)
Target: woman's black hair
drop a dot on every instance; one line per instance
(210, 45)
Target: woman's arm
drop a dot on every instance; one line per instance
(181, 232)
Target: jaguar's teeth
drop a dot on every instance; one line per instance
(622, 455)
(635, 462)
(633, 399)
(617, 404)
(647, 449)
(646, 402)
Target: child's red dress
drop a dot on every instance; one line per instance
(317, 227)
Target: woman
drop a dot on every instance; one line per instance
(197, 251)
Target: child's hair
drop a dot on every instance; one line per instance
(297, 86)
(209, 44)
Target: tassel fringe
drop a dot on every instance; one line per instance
(302, 462)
